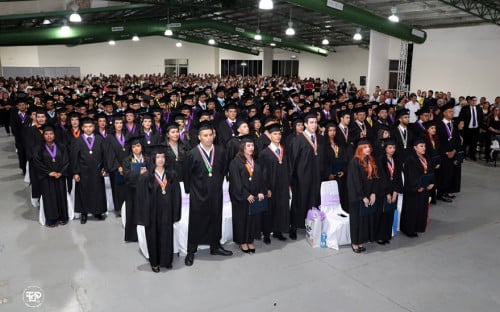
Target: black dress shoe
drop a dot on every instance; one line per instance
(155, 269)
(356, 250)
(412, 235)
(99, 216)
(445, 199)
(362, 248)
(219, 251)
(189, 259)
(450, 196)
(387, 241)
(247, 251)
(251, 250)
(83, 219)
(293, 234)
(381, 242)
(279, 236)
(267, 240)
(169, 266)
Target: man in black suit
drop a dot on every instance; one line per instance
(472, 115)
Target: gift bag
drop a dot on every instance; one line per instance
(314, 226)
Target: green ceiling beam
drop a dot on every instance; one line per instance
(67, 13)
(364, 18)
(481, 9)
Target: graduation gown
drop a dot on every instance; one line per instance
(153, 139)
(415, 204)
(404, 145)
(225, 132)
(205, 197)
(447, 143)
(158, 212)
(114, 155)
(245, 227)
(388, 184)
(53, 190)
(175, 159)
(90, 193)
(132, 174)
(277, 176)
(362, 228)
(306, 178)
(33, 139)
(18, 124)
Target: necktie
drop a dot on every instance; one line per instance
(345, 130)
(363, 127)
(89, 139)
(312, 138)
(449, 125)
(404, 133)
(278, 151)
(474, 125)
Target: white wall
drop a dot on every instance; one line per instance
(462, 60)
(19, 56)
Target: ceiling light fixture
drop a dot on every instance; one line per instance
(75, 17)
(394, 18)
(178, 44)
(112, 42)
(257, 36)
(135, 38)
(168, 31)
(357, 36)
(211, 42)
(272, 44)
(46, 22)
(266, 4)
(65, 30)
(325, 42)
(290, 31)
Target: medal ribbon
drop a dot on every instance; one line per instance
(103, 133)
(448, 130)
(91, 144)
(314, 144)
(52, 150)
(280, 155)
(131, 130)
(423, 161)
(335, 148)
(148, 136)
(22, 117)
(175, 149)
(120, 139)
(250, 165)
(404, 137)
(75, 133)
(207, 160)
(162, 180)
(390, 166)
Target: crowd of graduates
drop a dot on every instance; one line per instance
(268, 136)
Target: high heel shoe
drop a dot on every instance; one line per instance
(247, 251)
(252, 250)
(356, 250)
(155, 269)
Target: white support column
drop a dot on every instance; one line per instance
(378, 61)
(217, 61)
(267, 63)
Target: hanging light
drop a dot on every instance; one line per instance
(257, 36)
(266, 4)
(325, 42)
(46, 22)
(211, 41)
(394, 18)
(272, 44)
(111, 42)
(290, 31)
(178, 44)
(357, 36)
(168, 32)
(65, 29)
(75, 17)
(135, 38)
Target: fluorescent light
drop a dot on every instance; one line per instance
(211, 41)
(111, 42)
(290, 31)
(357, 36)
(266, 4)
(393, 18)
(135, 38)
(46, 22)
(325, 42)
(272, 44)
(257, 36)
(178, 44)
(168, 32)
(75, 18)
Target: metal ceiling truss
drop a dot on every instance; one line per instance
(485, 10)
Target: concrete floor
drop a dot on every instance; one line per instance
(455, 266)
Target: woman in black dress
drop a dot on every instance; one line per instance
(51, 161)
(176, 149)
(390, 185)
(159, 193)
(246, 186)
(335, 163)
(362, 181)
(415, 191)
(432, 153)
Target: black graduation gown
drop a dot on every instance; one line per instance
(415, 204)
(355, 132)
(158, 212)
(232, 147)
(53, 190)
(446, 144)
(403, 149)
(224, 132)
(387, 186)
(18, 126)
(262, 142)
(432, 153)
(133, 131)
(153, 139)
(90, 193)
(346, 144)
(306, 178)
(205, 197)
(277, 218)
(131, 179)
(362, 228)
(245, 227)
(176, 161)
(332, 162)
(457, 166)
(33, 139)
(114, 156)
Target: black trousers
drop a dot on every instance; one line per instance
(471, 136)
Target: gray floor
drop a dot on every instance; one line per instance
(455, 266)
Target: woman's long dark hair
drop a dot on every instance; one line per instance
(241, 152)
